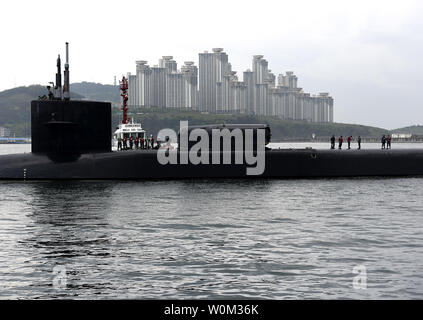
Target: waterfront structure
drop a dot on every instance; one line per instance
(4, 132)
(214, 87)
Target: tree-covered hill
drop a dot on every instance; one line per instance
(15, 115)
(15, 108)
(153, 120)
(97, 91)
(417, 129)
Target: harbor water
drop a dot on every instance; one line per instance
(356, 238)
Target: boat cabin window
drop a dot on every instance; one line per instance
(134, 135)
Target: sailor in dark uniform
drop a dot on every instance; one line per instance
(349, 138)
(332, 142)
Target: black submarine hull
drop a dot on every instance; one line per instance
(279, 163)
(71, 140)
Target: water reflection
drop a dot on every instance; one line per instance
(211, 238)
(69, 227)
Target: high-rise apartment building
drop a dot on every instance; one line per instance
(212, 68)
(168, 63)
(174, 90)
(163, 86)
(248, 78)
(132, 90)
(158, 84)
(214, 87)
(231, 94)
(260, 67)
(190, 83)
(143, 96)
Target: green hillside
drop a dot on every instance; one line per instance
(97, 91)
(15, 108)
(15, 115)
(417, 129)
(153, 120)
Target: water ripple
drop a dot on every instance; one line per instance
(212, 239)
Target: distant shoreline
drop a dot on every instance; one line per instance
(328, 141)
(278, 141)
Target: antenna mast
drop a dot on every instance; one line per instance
(58, 87)
(66, 90)
(124, 95)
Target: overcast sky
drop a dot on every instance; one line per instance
(367, 54)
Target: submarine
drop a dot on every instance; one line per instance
(72, 139)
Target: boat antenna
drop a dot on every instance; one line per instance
(124, 87)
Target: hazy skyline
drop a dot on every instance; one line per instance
(367, 54)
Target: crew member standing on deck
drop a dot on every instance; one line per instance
(388, 142)
(359, 142)
(119, 143)
(349, 141)
(383, 141)
(332, 142)
(136, 141)
(125, 143)
(152, 142)
(131, 142)
(142, 143)
(340, 140)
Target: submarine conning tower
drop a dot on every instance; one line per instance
(61, 125)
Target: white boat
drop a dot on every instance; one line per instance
(127, 130)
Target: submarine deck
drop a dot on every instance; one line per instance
(278, 163)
